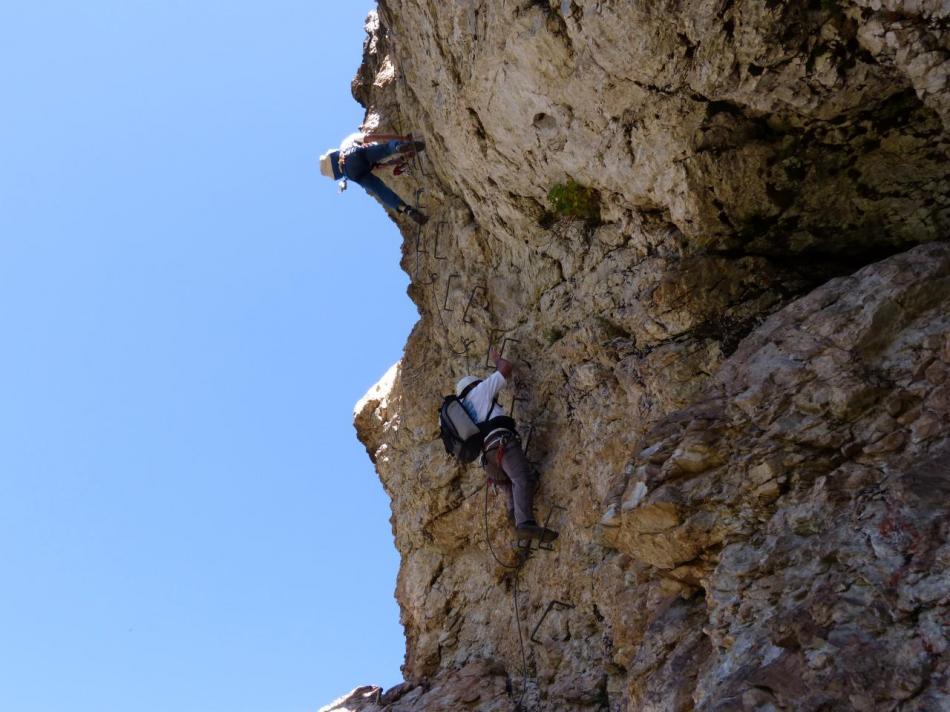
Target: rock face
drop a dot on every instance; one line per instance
(733, 377)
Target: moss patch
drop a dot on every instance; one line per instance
(575, 201)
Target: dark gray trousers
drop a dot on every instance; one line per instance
(516, 476)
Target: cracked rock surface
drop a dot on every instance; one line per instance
(735, 383)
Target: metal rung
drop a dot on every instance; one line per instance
(547, 520)
(561, 605)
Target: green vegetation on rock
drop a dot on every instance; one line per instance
(575, 201)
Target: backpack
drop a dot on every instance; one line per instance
(462, 436)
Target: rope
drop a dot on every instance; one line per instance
(488, 540)
(514, 597)
(524, 657)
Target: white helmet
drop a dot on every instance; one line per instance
(464, 382)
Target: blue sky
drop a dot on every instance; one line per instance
(188, 313)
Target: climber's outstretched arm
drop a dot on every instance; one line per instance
(503, 365)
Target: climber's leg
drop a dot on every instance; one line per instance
(374, 186)
(377, 152)
(497, 475)
(510, 499)
(523, 479)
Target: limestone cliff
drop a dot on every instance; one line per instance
(731, 330)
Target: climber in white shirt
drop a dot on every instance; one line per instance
(503, 459)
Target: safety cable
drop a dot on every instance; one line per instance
(524, 657)
(514, 597)
(488, 540)
(414, 160)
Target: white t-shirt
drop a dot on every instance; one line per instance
(478, 401)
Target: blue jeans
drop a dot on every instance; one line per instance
(359, 165)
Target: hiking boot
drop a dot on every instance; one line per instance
(416, 216)
(531, 530)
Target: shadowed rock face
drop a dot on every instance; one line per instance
(735, 384)
(805, 495)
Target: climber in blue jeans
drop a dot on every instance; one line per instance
(356, 158)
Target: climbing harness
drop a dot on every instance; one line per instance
(500, 443)
(341, 163)
(400, 163)
(341, 160)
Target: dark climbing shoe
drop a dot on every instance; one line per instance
(531, 530)
(416, 216)
(419, 146)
